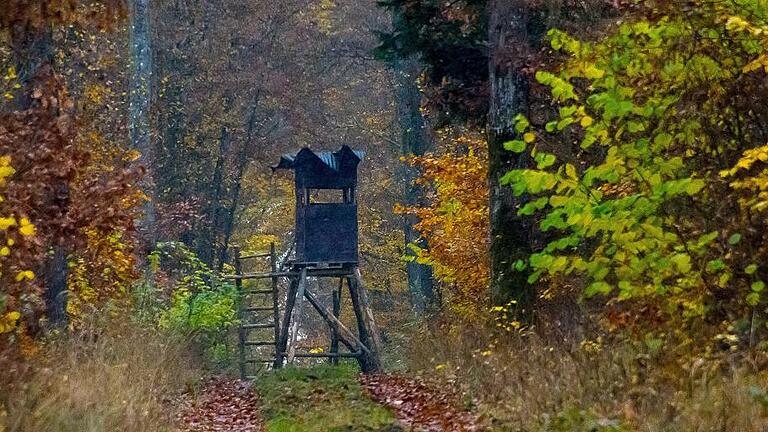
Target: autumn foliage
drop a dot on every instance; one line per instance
(455, 221)
(71, 205)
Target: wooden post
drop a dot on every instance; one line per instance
(282, 343)
(366, 325)
(275, 293)
(336, 313)
(240, 315)
(297, 315)
(345, 335)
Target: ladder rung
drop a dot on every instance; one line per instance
(257, 326)
(259, 343)
(259, 309)
(267, 275)
(257, 255)
(259, 291)
(326, 355)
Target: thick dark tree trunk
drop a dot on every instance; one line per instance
(33, 50)
(139, 123)
(415, 140)
(510, 233)
(55, 276)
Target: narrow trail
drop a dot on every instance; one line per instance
(233, 405)
(224, 405)
(420, 406)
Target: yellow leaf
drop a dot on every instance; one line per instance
(6, 222)
(26, 229)
(132, 155)
(586, 121)
(26, 274)
(529, 137)
(5, 251)
(8, 321)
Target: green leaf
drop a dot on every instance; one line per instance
(544, 77)
(551, 126)
(662, 140)
(521, 123)
(734, 239)
(545, 160)
(715, 265)
(682, 261)
(598, 287)
(517, 146)
(758, 286)
(753, 299)
(531, 207)
(750, 269)
(570, 171)
(694, 186)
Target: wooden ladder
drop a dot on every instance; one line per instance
(251, 314)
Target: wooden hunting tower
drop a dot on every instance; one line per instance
(325, 247)
(326, 207)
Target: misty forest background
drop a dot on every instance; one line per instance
(563, 204)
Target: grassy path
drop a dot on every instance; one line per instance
(325, 399)
(320, 399)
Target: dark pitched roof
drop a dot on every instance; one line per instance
(343, 158)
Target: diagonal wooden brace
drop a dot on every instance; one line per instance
(345, 335)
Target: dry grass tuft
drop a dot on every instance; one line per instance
(519, 383)
(117, 379)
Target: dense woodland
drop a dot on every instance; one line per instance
(563, 211)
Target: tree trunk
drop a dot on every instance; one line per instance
(242, 164)
(139, 123)
(33, 51)
(510, 233)
(415, 141)
(208, 242)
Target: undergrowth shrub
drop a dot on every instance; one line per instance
(186, 297)
(117, 378)
(520, 383)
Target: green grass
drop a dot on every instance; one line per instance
(320, 399)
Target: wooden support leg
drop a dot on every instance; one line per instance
(336, 313)
(275, 293)
(282, 343)
(297, 316)
(240, 314)
(366, 325)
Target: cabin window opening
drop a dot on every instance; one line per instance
(328, 196)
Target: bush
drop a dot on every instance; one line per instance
(202, 306)
(521, 383)
(116, 379)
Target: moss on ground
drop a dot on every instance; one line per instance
(320, 399)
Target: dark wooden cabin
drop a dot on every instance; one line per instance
(326, 206)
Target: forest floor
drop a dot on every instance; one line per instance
(323, 399)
